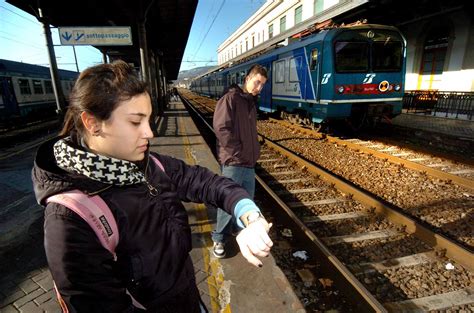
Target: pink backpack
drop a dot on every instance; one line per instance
(97, 214)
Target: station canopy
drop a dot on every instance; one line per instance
(168, 24)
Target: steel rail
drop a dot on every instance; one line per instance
(357, 288)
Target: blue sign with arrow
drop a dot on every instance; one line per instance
(96, 36)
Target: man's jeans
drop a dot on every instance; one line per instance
(245, 177)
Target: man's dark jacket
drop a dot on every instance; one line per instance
(235, 125)
(155, 239)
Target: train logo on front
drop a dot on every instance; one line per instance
(325, 79)
(368, 78)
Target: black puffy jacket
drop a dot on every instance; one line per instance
(155, 239)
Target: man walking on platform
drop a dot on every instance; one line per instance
(238, 149)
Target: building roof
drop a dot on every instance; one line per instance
(168, 23)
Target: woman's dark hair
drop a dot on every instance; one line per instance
(98, 91)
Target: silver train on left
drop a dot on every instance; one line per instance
(26, 92)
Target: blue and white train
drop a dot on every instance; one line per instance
(26, 91)
(349, 73)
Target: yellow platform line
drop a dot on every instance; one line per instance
(215, 277)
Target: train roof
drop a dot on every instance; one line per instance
(321, 35)
(8, 67)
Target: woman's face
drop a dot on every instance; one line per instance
(126, 133)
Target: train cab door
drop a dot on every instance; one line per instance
(8, 100)
(314, 53)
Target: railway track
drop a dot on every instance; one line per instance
(387, 257)
(443, 168)
(426, 162)
(378, 253)
(439, 200)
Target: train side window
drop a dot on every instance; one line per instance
(280, 71)
(25, 88)
(314, 59)
(293, 69)
(37, 87)
(48, 86)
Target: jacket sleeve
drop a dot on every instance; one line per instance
(198, 184)
(223, 124)
(82, 269)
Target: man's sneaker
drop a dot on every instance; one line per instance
(218, 250)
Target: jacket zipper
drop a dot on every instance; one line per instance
(151, 189)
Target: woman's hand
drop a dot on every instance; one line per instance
(254, 241)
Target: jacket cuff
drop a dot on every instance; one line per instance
(242, 207)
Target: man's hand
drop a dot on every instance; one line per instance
(254, 241)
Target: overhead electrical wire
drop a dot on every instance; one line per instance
(212, 23)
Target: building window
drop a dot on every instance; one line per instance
(253, 41)
(37, 86)
(48, 86)
(433, 58)
(282, 24)
(298, 14)
(318, 6)
(246, 45)
(25, 88)
(270, 31)
(258, 37)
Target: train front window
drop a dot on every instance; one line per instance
(387, 56)
(351, 57)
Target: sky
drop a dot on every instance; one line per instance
(22, 39)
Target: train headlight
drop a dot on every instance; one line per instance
(397, 87)
(340, 89)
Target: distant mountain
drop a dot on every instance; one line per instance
(185, 76)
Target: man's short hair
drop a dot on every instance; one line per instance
(257, 69)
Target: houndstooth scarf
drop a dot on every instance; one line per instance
(107, 170)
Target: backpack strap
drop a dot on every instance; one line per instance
(157, 162)
(99, 217)
(95, 212)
